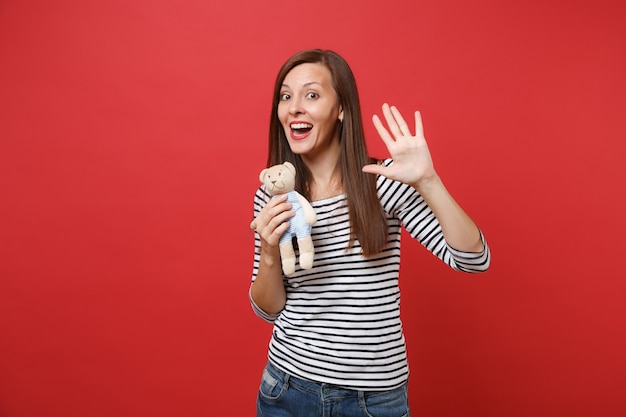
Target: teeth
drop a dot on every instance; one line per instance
(296, 126)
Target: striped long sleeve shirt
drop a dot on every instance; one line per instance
(341, 321)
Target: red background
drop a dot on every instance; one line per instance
(131, 137)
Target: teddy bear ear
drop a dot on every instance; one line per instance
(262, 175)
(290, 167)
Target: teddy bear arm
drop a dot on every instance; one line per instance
(309, 213)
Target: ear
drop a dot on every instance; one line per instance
(290, 167)
(341, 115)
(262, 175)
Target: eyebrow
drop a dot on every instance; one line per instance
(305, 84)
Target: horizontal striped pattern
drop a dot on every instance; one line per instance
(341, 323)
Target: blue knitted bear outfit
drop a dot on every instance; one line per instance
(297, 225)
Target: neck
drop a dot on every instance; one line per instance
(326, 179)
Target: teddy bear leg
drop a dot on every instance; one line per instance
(305, 244)
(288, 258)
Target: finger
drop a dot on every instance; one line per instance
(275, 207)
(404, 128)
(419, 126)
(272, 236)
(277, 200)
(382, 132)
(280, 229)
(391, 121)
(278, 217)
(274, 228)
(373, 169)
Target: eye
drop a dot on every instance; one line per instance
(312, 95)
(285, 96)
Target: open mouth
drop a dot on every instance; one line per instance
(300, 129)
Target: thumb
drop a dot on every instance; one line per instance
(373, 169)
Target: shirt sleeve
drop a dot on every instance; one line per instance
(404, 202)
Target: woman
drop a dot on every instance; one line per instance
(337, 345)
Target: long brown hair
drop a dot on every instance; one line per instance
(367, 218)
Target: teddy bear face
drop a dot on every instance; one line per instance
(279, 179)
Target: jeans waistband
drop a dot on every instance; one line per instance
(327, 390)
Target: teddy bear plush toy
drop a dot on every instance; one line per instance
(281, 179)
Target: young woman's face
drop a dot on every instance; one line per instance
(309, 110)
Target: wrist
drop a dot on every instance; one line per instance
(427, 184)
(270, 256)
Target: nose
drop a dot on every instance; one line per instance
(295, 106)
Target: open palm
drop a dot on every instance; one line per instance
(412, 162)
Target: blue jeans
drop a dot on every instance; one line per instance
(282, 395)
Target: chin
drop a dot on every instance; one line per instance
(299, 150)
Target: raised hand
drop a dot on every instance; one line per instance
(412, 163)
